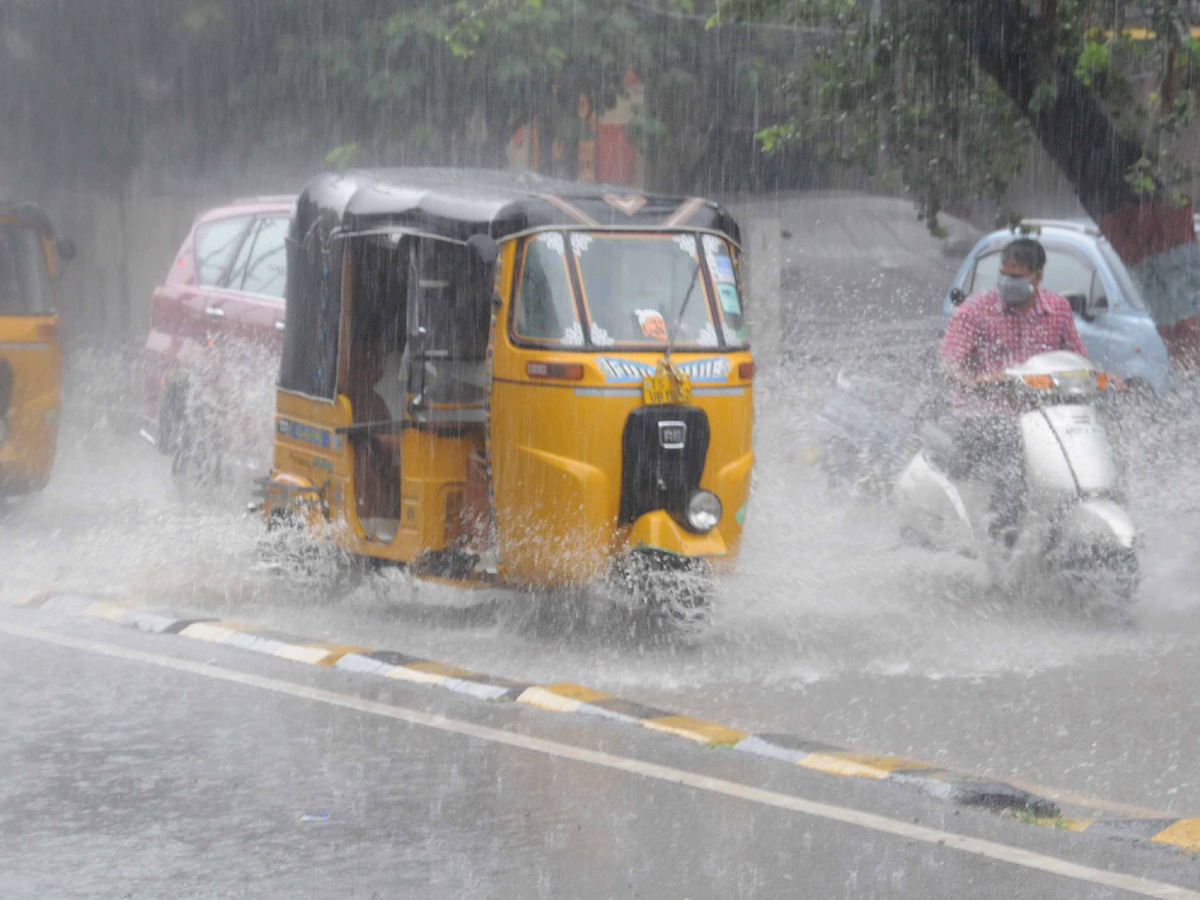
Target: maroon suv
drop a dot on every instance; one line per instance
(216, 331)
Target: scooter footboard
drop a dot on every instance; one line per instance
(1099, 521)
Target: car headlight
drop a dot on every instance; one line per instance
(3, 429)
(703, 511)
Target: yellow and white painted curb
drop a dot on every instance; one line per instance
(946, 784)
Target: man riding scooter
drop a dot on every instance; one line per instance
(988, 333)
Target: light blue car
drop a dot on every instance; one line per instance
(1082, 266)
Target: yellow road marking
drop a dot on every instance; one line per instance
(699, 730)
(944, 841)
(565, 698)
(333, 652)
(437, 668)
(1184, 833)
(862, 765)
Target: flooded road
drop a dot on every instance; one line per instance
(831, 628)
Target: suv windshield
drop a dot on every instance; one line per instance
(636, 289)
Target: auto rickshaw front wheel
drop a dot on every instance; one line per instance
(669, 590)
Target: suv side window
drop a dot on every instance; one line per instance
(261, 265)
(215, 244)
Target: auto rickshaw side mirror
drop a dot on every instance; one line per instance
(484, 247)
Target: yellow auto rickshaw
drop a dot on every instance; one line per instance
(30, 353)
(489, 376)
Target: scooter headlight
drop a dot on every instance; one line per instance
(3, 429)
(703, 511)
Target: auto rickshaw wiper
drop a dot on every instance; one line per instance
(682, 309)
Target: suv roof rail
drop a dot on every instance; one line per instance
(1083, 226)
(266, 198)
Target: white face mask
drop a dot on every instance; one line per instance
(1013, 290)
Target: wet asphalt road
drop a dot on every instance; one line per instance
(128, 779)
(830, 629)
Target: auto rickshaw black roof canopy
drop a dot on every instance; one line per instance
(451, 204)
(457, 203)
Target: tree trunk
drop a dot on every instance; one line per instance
(1154, 236)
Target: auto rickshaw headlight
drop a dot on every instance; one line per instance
(703, 511)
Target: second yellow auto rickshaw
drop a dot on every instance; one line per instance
(494, 377)
(30, 352)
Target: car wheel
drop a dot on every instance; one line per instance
(196, 453)
(171, 411)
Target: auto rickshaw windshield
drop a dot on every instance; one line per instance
(25, 286)
(638, 289)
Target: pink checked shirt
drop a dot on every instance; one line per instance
(985, 337)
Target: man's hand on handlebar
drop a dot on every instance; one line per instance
(990, 383)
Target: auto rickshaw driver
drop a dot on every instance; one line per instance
(640, 288)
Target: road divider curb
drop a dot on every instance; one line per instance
(944, 784)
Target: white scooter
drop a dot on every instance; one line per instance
(1074, 522)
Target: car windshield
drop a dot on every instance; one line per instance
(637, 290)
(24, 276)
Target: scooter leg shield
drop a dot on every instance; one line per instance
(658, 531)
(1099, 521)
(932, 505)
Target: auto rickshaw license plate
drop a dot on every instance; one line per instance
(660, 389)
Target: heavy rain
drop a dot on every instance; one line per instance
(753, 440)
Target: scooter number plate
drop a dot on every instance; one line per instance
(658, 390)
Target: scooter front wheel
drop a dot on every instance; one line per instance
(1103, 577)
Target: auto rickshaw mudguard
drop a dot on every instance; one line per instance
(659, 531)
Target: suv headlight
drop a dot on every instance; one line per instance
(703, 511)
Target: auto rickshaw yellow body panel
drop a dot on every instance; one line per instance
(30, 366)
(557, 462)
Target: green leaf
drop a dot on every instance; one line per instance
(1093, 61)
